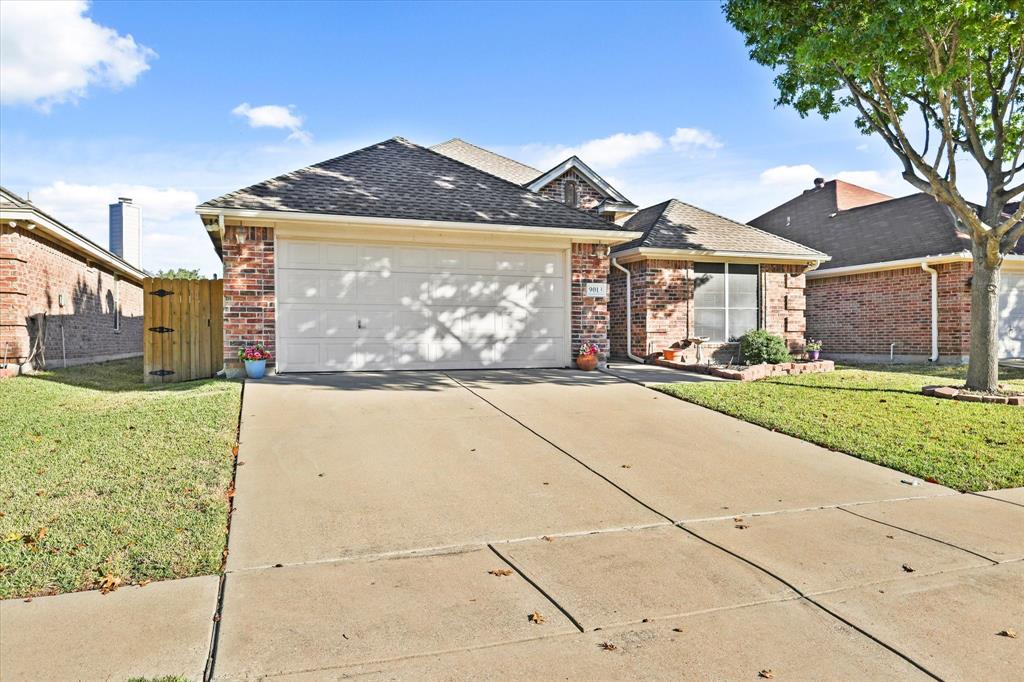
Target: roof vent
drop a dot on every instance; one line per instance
(819, 182)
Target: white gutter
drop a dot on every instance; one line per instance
(893, 264)
(629, 311)
(691, 254)
(935, 309)
(593, 236)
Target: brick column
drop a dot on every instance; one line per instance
(14, 339)
(249, 312)
(590, 264)
(785, 303)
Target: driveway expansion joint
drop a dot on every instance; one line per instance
(566, 452)
(534, 585)
(921, 535)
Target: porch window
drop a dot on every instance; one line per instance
(724, 300)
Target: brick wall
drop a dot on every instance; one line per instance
(35, 274)
(249, 310)
(590, 316)
(662, 308)
(863, 314)
(587, 196)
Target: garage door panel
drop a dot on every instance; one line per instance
(299, 286)
(370, 307)
(378, 259)
(300, 355)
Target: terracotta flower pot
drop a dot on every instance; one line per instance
(587, 363)
(669, 354)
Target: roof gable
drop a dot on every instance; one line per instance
(397, 179)
(576, 164)
(676, 225)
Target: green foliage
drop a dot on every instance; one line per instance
(761, 346)
(954, 64)
(179, 273)
(877, 413)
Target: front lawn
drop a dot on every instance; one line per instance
(877, 413)
(102, 476)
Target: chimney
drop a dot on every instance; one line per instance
(819, 183)
(126, 231)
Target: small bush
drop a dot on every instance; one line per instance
(761, 346)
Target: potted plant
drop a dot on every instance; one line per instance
(813, 349)
(255, 358)
(587, 358)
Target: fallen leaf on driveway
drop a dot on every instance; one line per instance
(741, 526)
(1012, 634)
(766, 674)
(627, 466)
(537, 618)
(110, 583)
(677, 629)
(145, 582)
(908, 568)
(500, 572)
(547, 539)
(608, 646)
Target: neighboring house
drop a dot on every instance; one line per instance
(397, 256)
(62, 297)
(899, 282)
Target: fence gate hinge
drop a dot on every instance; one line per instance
(162, 372)
(161, 293)
(161, 330)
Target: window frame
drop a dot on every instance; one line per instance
(726, 301)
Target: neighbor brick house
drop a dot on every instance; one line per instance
(63, 298)
(397, 256)
(875, 298)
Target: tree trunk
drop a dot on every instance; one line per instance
(983, 366)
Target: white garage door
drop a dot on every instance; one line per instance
(369, 307)
(1011, 315)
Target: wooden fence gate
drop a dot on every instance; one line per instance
(183, 335)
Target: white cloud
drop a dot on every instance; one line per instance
(691, 140)
(605, 152)
(274, 116)
(802, 175)
(171, 231)
(51, 53)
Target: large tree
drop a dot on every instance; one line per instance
(940, 82)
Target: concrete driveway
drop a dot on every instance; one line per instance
(558, 524)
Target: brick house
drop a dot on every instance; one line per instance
(398, 256)
(63, 298)
(899, 282)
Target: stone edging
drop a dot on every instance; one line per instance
(951, 393)
(753, 372)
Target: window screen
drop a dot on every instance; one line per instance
(725, 300)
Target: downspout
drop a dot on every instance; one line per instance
(629, 312)
(935, 310)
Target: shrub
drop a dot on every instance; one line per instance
(761, 346)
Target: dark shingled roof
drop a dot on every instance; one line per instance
(913, 226)
(487, 161)
(401, 180)
(676, 225)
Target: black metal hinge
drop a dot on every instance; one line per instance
(161, 330)
(162, 372)
(161, 293)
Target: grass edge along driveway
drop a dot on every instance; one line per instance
(877, 413)
(104, 476)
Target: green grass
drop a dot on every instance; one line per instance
(103, 475)
(877, 413)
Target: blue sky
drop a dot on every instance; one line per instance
(177, 103)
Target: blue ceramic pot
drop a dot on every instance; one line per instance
(255, 369)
